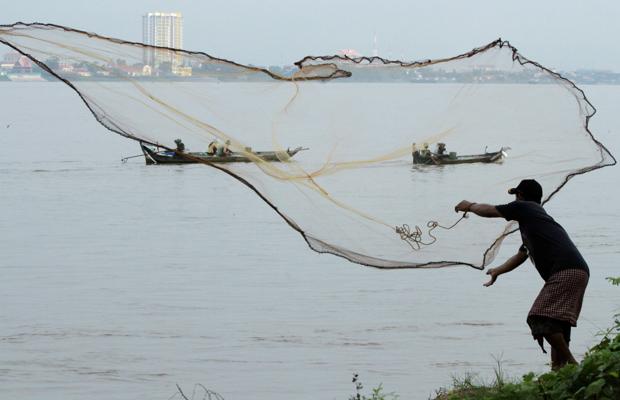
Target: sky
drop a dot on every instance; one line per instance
(562, 35)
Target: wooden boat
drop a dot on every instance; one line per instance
(173, 157)
(452, 158)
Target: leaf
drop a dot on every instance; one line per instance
(614, 281)
(595, 388)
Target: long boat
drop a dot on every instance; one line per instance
(173, 157)
(452, 158)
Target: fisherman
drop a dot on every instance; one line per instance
(180, 145)
(212, 149)
(420, 156)
(425, 152)
(415, 153)
(223, 150)
(227, 150)
(557, 260)
(441, 149)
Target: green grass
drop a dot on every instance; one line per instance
(375, 393)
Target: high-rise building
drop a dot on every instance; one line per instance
(162, 30)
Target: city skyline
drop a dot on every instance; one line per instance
(565, 36)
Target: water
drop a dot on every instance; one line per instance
(121, 280)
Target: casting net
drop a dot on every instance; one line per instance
(353, 190)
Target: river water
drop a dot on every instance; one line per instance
(122, 280)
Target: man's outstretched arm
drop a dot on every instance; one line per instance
(510, 264)
(483, 210)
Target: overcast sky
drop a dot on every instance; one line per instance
(564, 35)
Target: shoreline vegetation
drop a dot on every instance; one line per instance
(596, 377)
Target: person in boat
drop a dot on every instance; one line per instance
(425, 152)
(559, 263)
(223, 150)
(415, 153)
(212, 148)
(421, 156)
(441, 149)
(180, 145)
(426, 156)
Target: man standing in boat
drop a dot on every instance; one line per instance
(557, 260)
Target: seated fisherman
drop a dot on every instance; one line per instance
(227, 150)
(180, 145)
(223, 150)
(425, 152)
(441, 149)
(212, 149)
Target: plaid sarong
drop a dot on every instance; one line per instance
(558, 304)
(562, 296)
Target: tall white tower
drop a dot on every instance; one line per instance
(375, 47)
(162, 30)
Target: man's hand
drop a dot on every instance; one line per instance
(463, 206)
(494, 274)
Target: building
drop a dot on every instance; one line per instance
(23, 65)
(8, 61)
(162, 30)
(11, 57)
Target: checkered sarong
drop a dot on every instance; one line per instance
(562, 296)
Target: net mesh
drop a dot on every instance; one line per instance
(351, 188)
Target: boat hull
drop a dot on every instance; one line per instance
(435, 159)
(171, 157)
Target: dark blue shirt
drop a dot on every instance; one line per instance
(547, 243)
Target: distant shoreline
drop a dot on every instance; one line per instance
(343, 81)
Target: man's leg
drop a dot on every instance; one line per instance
(560, 353)
(554, 359)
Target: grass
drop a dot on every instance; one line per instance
(375, 394)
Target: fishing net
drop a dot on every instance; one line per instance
(353, 190)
